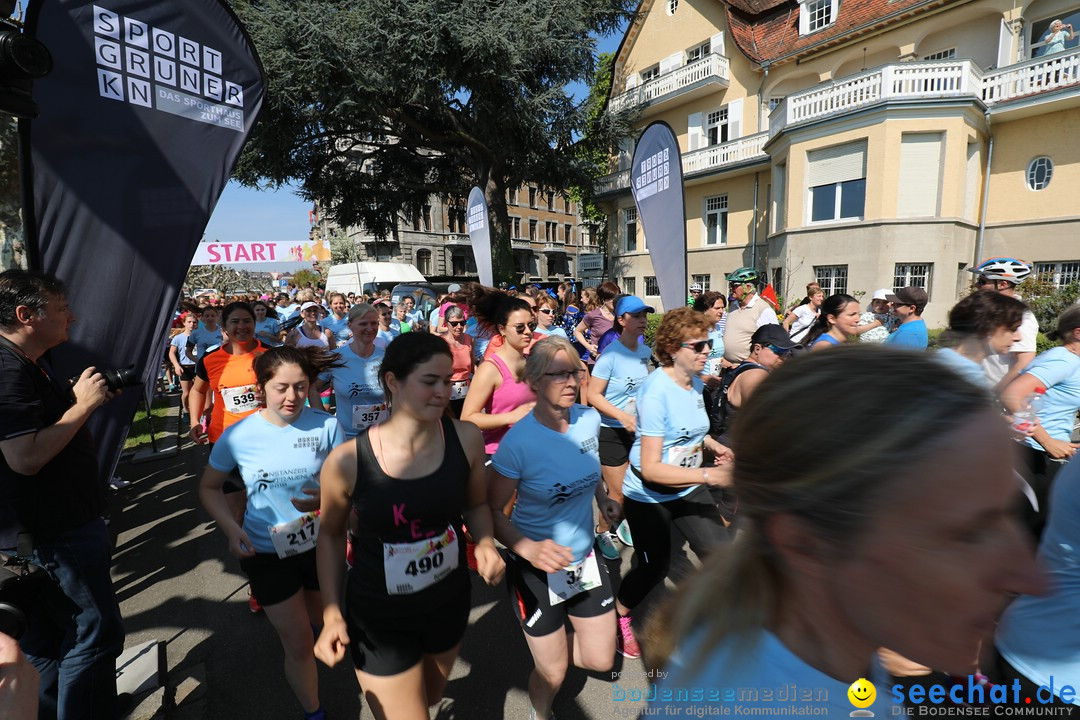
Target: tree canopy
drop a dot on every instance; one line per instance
(373, 106)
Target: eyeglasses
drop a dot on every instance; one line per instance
(520, 327)
(781, 352)
(698, 346)
(547, 311)
(563, 376)
(455, 323)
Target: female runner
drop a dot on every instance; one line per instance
(279, 452)
(359, 395)
(461, 347)
(310, 333)
(410, 480)
(550, 460)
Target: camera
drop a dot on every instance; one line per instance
(22, 60)
(121, 378)
(21, 585)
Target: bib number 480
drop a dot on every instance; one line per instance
(425, 565)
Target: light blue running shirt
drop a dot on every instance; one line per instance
(625, 370)
(557, 476)
(667, 411)
(1059, 371)
(355, 384)
(180, 343)
(276, 463)
(268, 332)
(204, 340)
(339, 328)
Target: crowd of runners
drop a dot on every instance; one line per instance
(366, 456)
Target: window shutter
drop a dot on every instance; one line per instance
(836, 164)
(920, 174)
(1005, 46)
(716, 44)
(671, 62)
(632, 81)
(734, 119)
(693, 131)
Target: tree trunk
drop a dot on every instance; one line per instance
(502, 255)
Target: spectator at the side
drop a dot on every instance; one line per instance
(908, 305)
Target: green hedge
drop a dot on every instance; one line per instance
(650, 329)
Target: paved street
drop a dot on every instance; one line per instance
(177, 584)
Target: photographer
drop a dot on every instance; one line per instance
(48, 488)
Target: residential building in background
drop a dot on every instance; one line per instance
(547, 236)
(858, 143)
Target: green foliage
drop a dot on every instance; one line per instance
(342, 249)
(1043, 343)
(304, 277)
(933, 336)
(1046, 301)
(650, 329)
(373, 106)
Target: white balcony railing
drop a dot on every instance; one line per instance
(1029, 78)
(612, 183)
(712, 66)
(729, 153)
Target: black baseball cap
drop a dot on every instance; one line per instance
(773, 335)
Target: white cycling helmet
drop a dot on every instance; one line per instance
(1002, 268)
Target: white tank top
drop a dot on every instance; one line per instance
(305, 341)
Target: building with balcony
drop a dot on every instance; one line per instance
(546, 232)
(859, 143)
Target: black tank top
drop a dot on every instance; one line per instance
(394, 511)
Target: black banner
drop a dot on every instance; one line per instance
(141, 121)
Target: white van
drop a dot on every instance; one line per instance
(370, 277)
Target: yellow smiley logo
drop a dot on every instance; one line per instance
(861, 693)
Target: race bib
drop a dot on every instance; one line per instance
(296, 536)
(687, 456)
(364, 416)
(411, 567)
(574, 579)
(712, 366)
(239, 400)
(459, 390)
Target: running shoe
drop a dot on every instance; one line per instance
(118, 483)
(625, 641)
(606, 541)
(532, 714)
(253, 604)
(623, 533)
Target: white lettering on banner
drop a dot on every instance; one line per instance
(476, 218)
(655, 175)
(128, 52)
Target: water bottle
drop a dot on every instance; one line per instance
(1026, 417)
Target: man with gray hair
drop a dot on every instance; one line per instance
(50, 500)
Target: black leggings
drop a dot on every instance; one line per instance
(695, 517)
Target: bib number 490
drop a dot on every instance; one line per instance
(425, 564)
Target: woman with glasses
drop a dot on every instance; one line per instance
(619, 373)
(550, 460)
(310, 333)
(358, 393)
(546, 310)
(461, 348)
(499, 396)
(837, 323)
(667, 483)
(770, 345)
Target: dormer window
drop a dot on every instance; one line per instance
(816, 15)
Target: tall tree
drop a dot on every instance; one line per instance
(373, 106)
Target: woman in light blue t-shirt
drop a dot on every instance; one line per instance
(907, 542)
(279, 452)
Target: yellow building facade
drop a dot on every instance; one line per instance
(862, 144)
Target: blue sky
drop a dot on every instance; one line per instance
(245, 214)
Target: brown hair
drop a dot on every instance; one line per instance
(678, 325)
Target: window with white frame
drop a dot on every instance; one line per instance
(630, 229)
(532, 229)
(423, 262)
(672, 6)
(716, 220)
(949, 54)
(652, 288)
(837, 182)
(650, 73)
(698, 52)
(774, 101)
(716, 126)
(1060, 274)
(912, 275)
(629, 285)
(705, 281)
(1039, 173)
(831, 278)
(1044, 41)
(816, 15)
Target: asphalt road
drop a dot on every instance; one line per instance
(177, 584)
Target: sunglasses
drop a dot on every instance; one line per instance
(520, 327)
(547, 311)
(455, 323)
(781, 352)
(563, 376)
(698, 346)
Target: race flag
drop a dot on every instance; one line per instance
(480, 234)
(141, 121)
(656, 181)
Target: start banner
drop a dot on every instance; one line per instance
(244, 253)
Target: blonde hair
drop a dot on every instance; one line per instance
(831, 485)
(543, 354)
(359, 310)
(674, 330)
